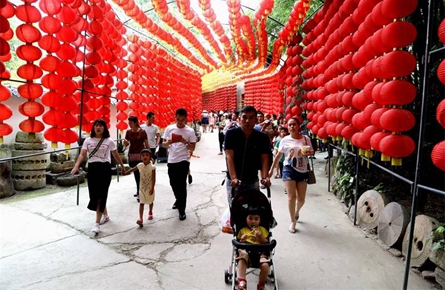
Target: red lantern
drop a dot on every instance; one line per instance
(31, 109)
(440, 113)
(398, 8)
(5, 113)
(438, 155)
(397, 92)
(376, 138)
(397, 146)
(397, 120)
(31, 126)
(441, 72)
(348, 131)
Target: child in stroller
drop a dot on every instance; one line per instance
(251, 220)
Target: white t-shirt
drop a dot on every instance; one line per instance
(178, 151)
(290, 148)
(103, 153)
(151, 131)
(229, 125)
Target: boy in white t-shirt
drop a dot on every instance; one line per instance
(153, 134)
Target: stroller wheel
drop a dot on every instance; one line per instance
(227, 277)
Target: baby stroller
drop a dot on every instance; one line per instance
(242, 205)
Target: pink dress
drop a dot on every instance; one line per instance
(211, 120)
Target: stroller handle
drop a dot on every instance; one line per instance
(254, 247)
(267, 188)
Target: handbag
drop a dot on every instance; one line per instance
(310, 172)
(134, 157)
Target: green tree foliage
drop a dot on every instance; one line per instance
(280, 16)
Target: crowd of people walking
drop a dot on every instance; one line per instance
(255, 144)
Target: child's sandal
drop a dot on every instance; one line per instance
(242, 284)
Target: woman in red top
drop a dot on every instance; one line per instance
(138, 140)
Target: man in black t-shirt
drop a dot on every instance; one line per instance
(247, 152)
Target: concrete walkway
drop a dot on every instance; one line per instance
(46, 243)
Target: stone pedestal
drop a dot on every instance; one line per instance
(6, 185)
(440, 276)
(29, 173)
(438, 257)
(60, 168)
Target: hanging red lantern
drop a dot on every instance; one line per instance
(5, 113)
(31, 126)
(398, 8)
(398, 34)
(376, 117)
(397, 120)
(375, 140)
(31, 109)
(348, 131)
(398, 92)
(438, 155)
(398, 63)
(441, 72)
(440, 113)
(397, 146)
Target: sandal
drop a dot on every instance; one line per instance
(297, 217)
(150, 216)
(261, 287)
(140, 223)
(242, 284)
(292, 228)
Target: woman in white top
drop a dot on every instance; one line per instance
(98, 147)
(295, 147)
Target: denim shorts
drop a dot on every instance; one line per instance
(291, 174)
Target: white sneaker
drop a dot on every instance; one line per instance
(104, 219)
(96, 228)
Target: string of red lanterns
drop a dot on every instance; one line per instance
(355, 71)
(196, 21)
(210, 16)
(29, 34)
(50, 25)
(438, 152)
(161, 8)
(220, 99)
(6, 11)
(133, 11)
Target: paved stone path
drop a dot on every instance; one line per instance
(46, 243)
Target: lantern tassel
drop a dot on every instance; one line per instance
(385, 158)
(396, 161)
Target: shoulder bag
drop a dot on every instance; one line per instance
(96, 148)
(310, 170)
